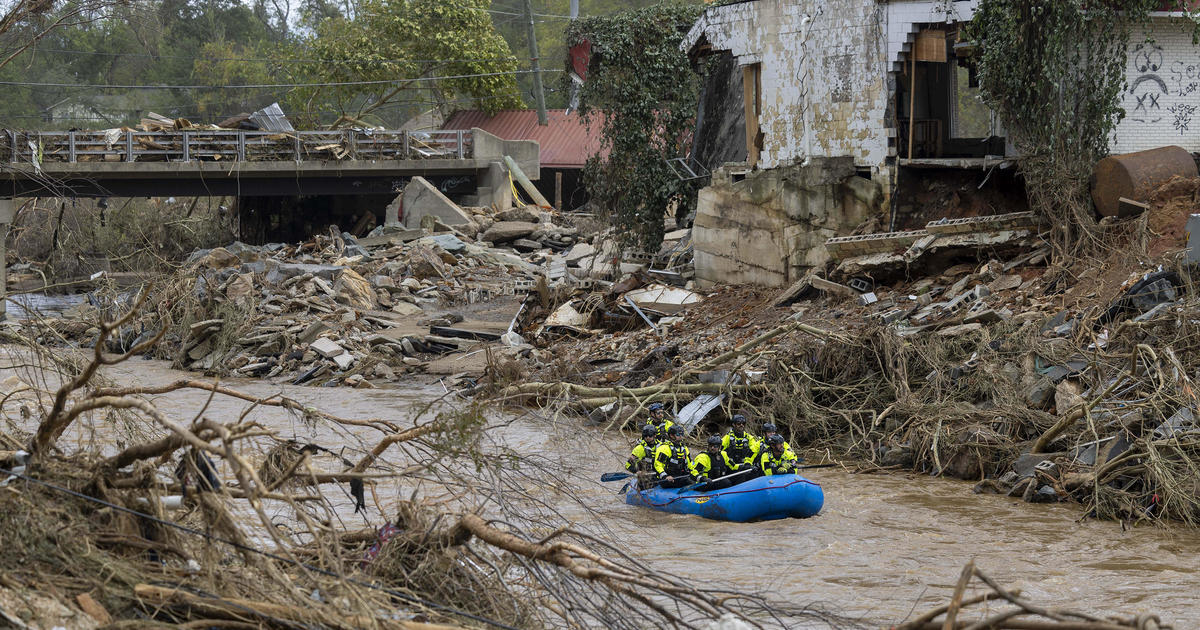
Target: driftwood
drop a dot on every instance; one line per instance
(272, 614)
(1051, 619)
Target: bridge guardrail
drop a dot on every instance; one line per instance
(193, 145)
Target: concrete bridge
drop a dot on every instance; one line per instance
(127, 163)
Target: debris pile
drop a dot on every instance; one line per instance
(203, 523)
(1044, 381)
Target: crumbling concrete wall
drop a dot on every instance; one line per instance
(826, 56)
(770, 227)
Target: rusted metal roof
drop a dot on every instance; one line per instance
(565, 142)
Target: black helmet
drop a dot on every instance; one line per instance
(770, 427)
(714, 440)
(674, 430)
(654, 406)
(775, 439)
(739, 419)
(649, 431)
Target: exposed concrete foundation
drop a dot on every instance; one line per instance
(770, 228)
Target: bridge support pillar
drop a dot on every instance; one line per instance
(494, 188)
(6, 217)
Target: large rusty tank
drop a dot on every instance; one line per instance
(1135, 175)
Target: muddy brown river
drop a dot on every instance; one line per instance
(883, 547)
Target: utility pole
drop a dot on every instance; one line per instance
(538, 92)
(574, 102)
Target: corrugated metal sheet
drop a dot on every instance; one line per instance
(565, 142)
(272, 118)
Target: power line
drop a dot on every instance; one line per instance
(264, 59)
(264, 86)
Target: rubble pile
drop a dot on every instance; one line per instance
(1039, 380)
(342, 310)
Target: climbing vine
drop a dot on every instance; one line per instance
(1055, 73)
(641, 91)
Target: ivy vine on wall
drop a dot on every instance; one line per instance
(642, 92)
(1055, 72)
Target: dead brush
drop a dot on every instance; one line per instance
(430, 555)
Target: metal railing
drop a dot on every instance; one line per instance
(197, 145)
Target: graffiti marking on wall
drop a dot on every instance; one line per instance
(1148, 87)
(1183, 115)
(1146, 90)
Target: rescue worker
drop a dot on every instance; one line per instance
(642, 457)
(661, 419)
(673, 461)
(738, 447)
(710, 464)
(770, 429)
(776, 459)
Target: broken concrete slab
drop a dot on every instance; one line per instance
(505, 231)
(1004, 283)
(326, 347)
(344, 360)
(278, 272)
(578, 253)
(797, 291)
(448, 242)
(831, 287)
(422, 199)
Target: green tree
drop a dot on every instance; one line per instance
(402, 46)
(642, 93)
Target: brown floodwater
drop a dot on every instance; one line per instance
(883, 547)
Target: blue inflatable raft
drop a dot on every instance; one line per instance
(761, 499)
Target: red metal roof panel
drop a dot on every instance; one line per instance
(566, 142)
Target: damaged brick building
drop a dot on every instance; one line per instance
(816, 115)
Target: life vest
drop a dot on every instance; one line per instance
(738, 449)
(643, 455)
(673, 460)
(662, 430)
(772, 464)
(711, 464)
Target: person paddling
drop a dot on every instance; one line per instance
(673, 461)
(738, 447)
(710, 464)
(776, 459)
(642, 456)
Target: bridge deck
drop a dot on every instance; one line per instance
(202, 162)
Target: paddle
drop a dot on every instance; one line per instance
(729, 476)
(742, 472)
(615, 476)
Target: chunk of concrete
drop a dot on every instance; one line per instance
(278, 272)
(344, 360)
(831, 287)
(326, 347)
(505, 231)
(579, 252)
(422, 199)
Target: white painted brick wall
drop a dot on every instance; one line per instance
(1162, 102)
(855, 43)
(847, 96)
